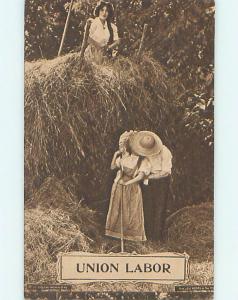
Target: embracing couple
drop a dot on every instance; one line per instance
(140, 189)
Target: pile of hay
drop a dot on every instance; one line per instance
(73, 117)
(190, 230)
(55, 221)
(48, 232)
(56, 194)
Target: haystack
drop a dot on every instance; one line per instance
(48, 232)
(190, 230)
(55, 194)
(73, 117)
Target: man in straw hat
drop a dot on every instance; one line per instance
(156, 164)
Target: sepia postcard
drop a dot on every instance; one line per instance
(118, 149)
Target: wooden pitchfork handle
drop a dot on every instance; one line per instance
(142, 41)
(65, 28)
(122, 230)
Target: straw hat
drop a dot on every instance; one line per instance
(145, 143)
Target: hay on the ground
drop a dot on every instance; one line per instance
(55, 194)
(191, 230)
(48, 232)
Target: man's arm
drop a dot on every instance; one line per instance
(138, 178)
(166, 165)
(159, 175)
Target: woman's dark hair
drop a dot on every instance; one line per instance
(110, 17)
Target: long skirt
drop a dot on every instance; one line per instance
(93, 54)
(155, 198)
(125, 215)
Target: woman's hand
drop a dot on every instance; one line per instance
(113, 163)
(122, 182)
(138, 178)
(105, 50)
(117, 153)
(89, 21)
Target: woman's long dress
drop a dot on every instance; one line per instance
(126, 205)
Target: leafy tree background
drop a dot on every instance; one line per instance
(180, 37)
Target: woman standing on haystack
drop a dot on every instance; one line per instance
(126, 204)
(103, 36)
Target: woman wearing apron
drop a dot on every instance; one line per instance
(103, 35)
(126, 204)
